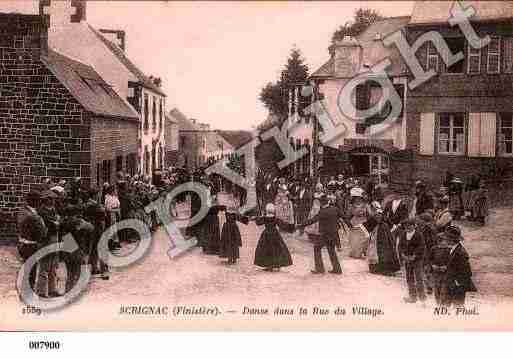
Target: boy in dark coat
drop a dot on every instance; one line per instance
(412, 249)
(459, 273)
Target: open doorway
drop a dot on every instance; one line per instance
(371, 164)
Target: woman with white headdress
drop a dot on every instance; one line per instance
(282, 203)
(313, 230)
(271, 252)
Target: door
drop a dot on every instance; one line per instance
(360, 164)
(379, 167)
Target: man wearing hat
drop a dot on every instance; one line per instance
(47, 211)
(31, 231)
(459, 273)
(328, 236)
(412, 250)
(443, 217)
(423, 201)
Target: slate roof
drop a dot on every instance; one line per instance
(184, 124)
(214, 139)
(373, 49)
(87, 87)
(236, 138)
(120, 54)
(438, 12)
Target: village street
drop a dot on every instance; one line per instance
(201, 280)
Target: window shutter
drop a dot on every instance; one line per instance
(474, 134)
(494, 48)
(508, 56)
(427, 133)
(488, 134)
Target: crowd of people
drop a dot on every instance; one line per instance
(73, 207)
(388, 230)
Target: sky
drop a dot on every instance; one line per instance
(214, 57)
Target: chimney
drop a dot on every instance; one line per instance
(116, 36)
(64, 12)
(347, 54)
(23, 36)
(80, 12)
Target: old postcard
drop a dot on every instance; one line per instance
(342, 166)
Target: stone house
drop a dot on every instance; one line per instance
(104, 50)
(58, 118)
(190, 139)
(359, 151)
(461, 120)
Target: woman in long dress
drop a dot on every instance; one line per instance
(312, 230)
(381, 254)
(271, 252)
(230, 235)
(358, 237)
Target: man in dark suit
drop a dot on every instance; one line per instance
(328, 235)
(412, 249)
(32, 232)
(424, 200)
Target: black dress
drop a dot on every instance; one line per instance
(271, 250)
(230, 236)
(211, 231)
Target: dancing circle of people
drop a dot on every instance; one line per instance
(415, 232)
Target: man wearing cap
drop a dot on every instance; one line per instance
(328, 236)
(459, 273)
(31, 231)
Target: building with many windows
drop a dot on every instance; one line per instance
(461, 120)
(104, 50)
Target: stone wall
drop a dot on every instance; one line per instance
(39, 119)
(110, 139)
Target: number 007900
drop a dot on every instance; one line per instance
(44, 345)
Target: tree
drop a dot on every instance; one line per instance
(275, 96)
(363, 17)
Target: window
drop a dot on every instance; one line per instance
(362, 97)
(494, 55)
(456, 45)
(131, 92)
(451, 133)
(98, 174)
(432, 57)
(146, 160)
(474, 60)
(506, 134)
(160, 115)
(119, 163)
(154, 115)
(106, 171)
(146, 107)
(360, 128)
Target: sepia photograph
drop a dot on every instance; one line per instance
(255, 166)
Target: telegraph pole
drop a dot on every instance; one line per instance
(315, 161)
